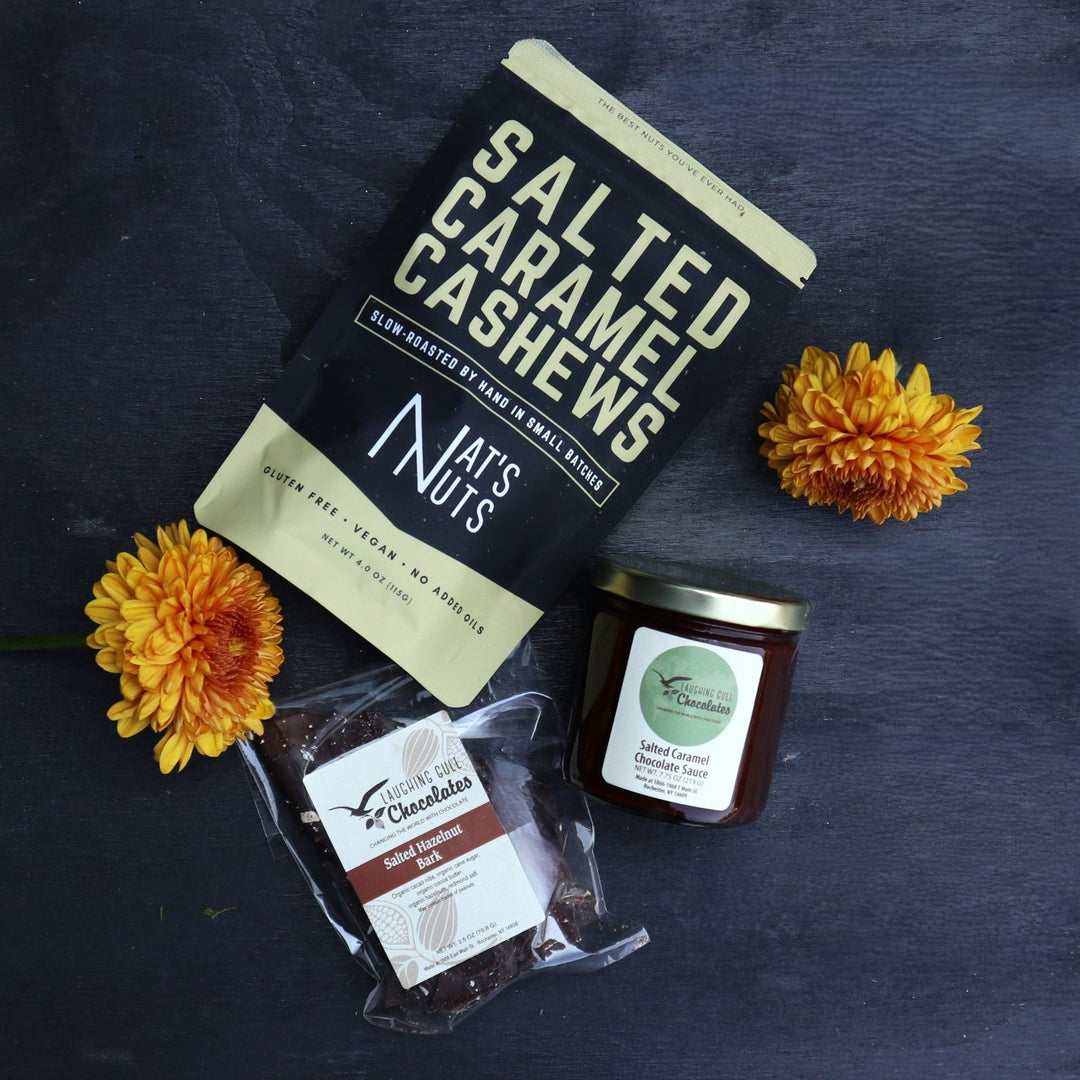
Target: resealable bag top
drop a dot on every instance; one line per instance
(550, 310)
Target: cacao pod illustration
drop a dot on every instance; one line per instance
(454, 749)
(390, 923)
(407, 970)
(438, 924)
(420, 749)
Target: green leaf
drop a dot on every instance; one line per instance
(29, 642)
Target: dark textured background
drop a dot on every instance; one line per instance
(183, 185)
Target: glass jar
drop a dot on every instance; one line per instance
(684, 692)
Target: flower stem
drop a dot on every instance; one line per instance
(23, 642)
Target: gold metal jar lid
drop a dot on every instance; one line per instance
(704, 593)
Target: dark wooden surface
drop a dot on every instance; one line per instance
(184, 184)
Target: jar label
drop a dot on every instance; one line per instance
(682, 719)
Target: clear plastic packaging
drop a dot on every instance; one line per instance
(514, 739)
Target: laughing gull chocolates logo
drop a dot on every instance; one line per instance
(372, 818)
(688, 695)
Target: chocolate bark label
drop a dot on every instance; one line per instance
(423, 848)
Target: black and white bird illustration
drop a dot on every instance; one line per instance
(670, 686)
(373, 818)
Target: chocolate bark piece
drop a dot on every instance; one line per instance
(297, 741)
(293, 743)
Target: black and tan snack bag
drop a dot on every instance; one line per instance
(548, 313)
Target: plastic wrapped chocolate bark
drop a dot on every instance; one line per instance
(447, 852)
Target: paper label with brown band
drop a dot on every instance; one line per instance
(424, 849)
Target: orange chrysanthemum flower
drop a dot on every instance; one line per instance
(859, 440)
(194, 635)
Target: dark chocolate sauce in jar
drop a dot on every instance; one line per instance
(683, 698)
